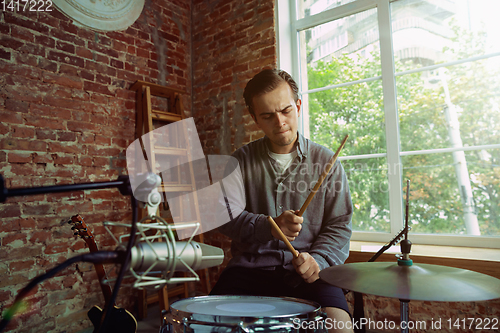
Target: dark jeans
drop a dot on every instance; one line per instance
(273, 283)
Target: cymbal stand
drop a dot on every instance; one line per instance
(405, 314)
(404, 260)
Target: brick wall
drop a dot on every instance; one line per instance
(67, 117)
(232, 41)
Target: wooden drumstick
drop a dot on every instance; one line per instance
(322, 177)
(283, 237)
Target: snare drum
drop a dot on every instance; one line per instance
(243, 314)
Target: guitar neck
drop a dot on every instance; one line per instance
(88, 237)
(106, 289)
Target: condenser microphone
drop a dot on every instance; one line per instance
(180, 256)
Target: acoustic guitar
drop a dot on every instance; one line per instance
(120, 320)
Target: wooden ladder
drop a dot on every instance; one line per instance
(146, 119)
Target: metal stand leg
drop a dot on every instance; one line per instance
(405, 315)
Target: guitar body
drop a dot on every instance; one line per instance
(119, 320)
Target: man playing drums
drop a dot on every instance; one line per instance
(279, 171)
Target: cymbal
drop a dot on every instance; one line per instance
(423, 282)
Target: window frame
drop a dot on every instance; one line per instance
(287, 36)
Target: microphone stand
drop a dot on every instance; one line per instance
(123, 185)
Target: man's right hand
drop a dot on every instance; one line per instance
(289, 223)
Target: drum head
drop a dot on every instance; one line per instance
(241, 313)
(245, 306)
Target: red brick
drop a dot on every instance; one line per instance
(63, 160)
(45, 41)
(102, 79)
(22, 132)
(93, 151)
(18, 239)
(77, 126)
(20, 157)
(86, 138)
(66, 136)
(37, 209)
(269, 51)
(66, 47)
(43, 122)
(116, 63)
(101, 140)
(42, 158)
(21, 265)
(121, 37)
(21, 70)
(126, 75)
(103, 49)
(62, 103)
(10, 210)
(65, 58)
(143, 53)
(70, 208)
(84, 52)
(56, 248)
(43, 134)
(47, 65)
(59, 34)
(4, 28)
(99, 68)
(87, 75)
(56, 147)
(26, 59)
(68, 26)
(96, 87)
(101, 194)
(22, 33)
(23, 145)
(119, 46)
(5, 54)
(5, 296)
(100, 161)
(103, 59)
(16, 105)
(33, 49)
(63, 80)
(11, 43)
(69, 70)
(85, 160)
(48, 19)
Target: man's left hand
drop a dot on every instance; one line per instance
(307, 267)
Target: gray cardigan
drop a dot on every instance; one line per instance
(327, 226)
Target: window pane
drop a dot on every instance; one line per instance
(307, 7)
(340, 51)
(449, 197)
(356, 110)
(370, 193)
(426, 32)
(451, 107)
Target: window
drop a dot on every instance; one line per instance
(416, 85)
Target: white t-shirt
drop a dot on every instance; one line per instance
(283, 161)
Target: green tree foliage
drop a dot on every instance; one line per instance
(358, 110)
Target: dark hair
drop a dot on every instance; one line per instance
(266, 81)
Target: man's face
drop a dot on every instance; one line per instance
(276, 114)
